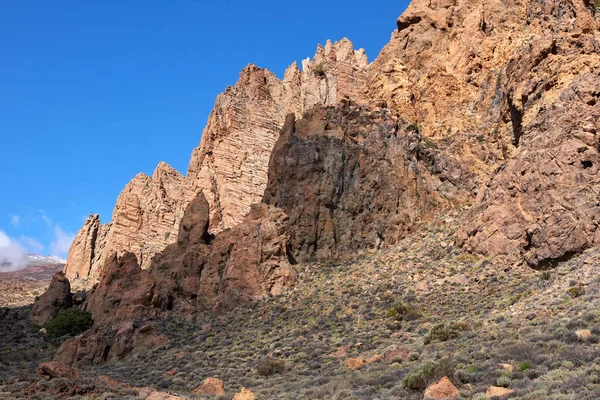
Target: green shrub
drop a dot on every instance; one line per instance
(503, 381)
(525, 365)
(70, 322)
(576, 291)
(403, 312)
(426, 373)
(445, 332)
(270, 366)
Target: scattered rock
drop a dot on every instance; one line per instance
(164, 396)
(57, 369)
(110, 382)
(507, 367)
(354, 363)
(244, 394)
(145, 392)
(374, 359)
(212, 386)
(444, 389)
(584, 334)
(499, 392)
(341, 352)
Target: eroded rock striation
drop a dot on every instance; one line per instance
(145, 220)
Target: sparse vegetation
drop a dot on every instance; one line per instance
(319, 70)
(461, 307)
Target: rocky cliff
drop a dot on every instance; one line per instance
(489, 107)
(229, 167)
(145, 216)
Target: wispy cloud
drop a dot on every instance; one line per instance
(33, 245)
(12, 255)
(61, 242)
(15, 219)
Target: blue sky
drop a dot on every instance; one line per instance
(93, 92)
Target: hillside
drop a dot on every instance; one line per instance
(421, 226)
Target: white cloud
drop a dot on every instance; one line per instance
(12, 255)
(31, 244)
(61, 242)
(15, 219)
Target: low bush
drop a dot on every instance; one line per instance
(72, 321)
(270, 366)
(444, 332)
(403, 312)
(427, 373)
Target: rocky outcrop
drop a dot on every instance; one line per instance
(106, 343)
(540, 204)
(82, 252)
(57, 369)
(488, 83)
(443, 389)
(351, 177)
(229, 167)
(124, 290)
(248, 261)
(144, 221)
(211, 386)
(56, 298)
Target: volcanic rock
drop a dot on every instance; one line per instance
(144, 219)
(230, 165)
(211, 386)
(350, 177)
(543, 203)
(444, 389)
(56, 298)
(244, 394)
(499, 392)
(57, 369)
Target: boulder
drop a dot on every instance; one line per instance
(443, 389)
(57, 369)
(56, 298)
(211, 386)
(244, 394)
(499, 392)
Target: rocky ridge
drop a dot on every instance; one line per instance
(229, 167)
(488, 107)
